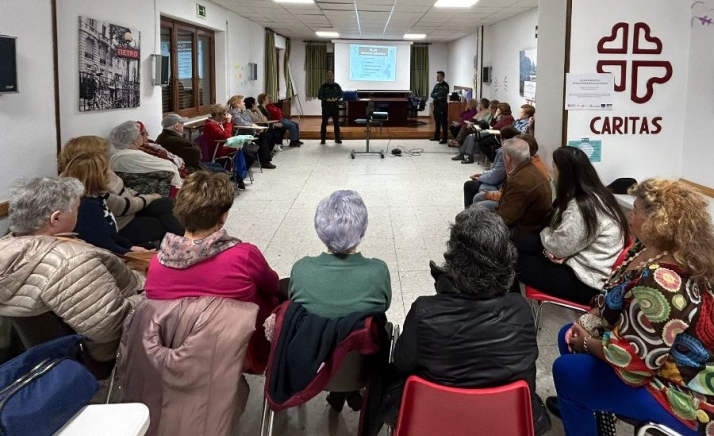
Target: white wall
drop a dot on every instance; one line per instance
(27, 119)
(238, 42)
(549, 92)
(698, 153)
(461, 62)
(636, 155)
(502, 43)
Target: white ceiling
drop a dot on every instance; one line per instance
(376, 19)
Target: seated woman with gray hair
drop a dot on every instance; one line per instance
(126, 157)
(341, 281)
(44, 269)
(472, 333)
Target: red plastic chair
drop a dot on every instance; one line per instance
(540, 299)
(429, 409)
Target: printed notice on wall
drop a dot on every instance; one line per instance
(592, 148)
(589, 91)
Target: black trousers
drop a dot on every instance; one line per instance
(534, 269)
(152, 223)
(440, 119)
(265, 147)
(489, 145)
(330, 110)
(455, 131)
(470, 189)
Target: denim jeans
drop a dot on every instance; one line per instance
(293, 128)
(586, 384)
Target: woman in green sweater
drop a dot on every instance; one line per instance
(341, 281)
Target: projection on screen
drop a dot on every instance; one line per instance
(373, 63)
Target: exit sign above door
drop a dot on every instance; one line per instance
(200, 10)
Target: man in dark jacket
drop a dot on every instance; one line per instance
(330, 93)
(439, 94)
(172, 139)
(472, 333)
(526, 202)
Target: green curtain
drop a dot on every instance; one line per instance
(315, 67)
(271, 66)
(419, 77)
(289, 91)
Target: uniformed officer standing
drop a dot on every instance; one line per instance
(440, 95)
(330, 93)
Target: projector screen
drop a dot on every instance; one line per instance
(373, 65)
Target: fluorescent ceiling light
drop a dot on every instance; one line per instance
(327, 34)
(414, 36)
(295, 1)
(455, 3)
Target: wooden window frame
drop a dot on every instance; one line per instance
(196, 109)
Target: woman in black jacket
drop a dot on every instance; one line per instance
(473, 333)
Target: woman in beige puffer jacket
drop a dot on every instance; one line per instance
(43, 269)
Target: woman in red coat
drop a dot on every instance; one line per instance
(218, 127)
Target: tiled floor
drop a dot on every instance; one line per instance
(411, 201)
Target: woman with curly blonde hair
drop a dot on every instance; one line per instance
(646, 351)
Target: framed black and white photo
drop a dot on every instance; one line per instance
(109, 65)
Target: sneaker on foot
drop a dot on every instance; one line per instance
(269, 166)
(295, 143)
(458, 157)
(277, 148)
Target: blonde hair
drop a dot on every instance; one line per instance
(472, 103)
(81, 145)
(91, 170)
(217, 110)
(235, 101)
(203, 199)
(677, 220)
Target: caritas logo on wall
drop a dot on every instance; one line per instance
(637, 76)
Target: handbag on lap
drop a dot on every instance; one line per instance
(43, 388)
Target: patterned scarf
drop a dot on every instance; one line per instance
(180, 252)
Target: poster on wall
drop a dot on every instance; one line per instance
(589, 91)
(109, 65)
(592, 148)
(528, 60)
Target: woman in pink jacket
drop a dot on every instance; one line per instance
(206, 261)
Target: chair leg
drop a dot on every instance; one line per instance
(539, 314)
(268, 417)
(111, 384)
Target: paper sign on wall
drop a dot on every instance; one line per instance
(529, 90)
(589, 91)
(593, 149)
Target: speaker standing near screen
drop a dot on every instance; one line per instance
(330, 93)
(440, 94)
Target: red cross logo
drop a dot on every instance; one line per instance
(643, 43)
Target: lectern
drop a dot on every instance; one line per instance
(373, 119)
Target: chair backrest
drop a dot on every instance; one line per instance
(202, 143)
(175, 354)
(35, 330)
(623, 255)
(429, 409)
(352, 375)
(422, 103)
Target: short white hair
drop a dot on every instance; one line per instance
(341, 221)
(517, 149)
(123, 135)
(33, 201)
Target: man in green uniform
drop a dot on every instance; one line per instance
(330, 92)
(439, 95)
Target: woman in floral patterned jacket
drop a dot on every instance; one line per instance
(646, 351)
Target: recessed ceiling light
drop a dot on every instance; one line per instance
(295, 1)
(455, 3)
(414, 36)
(327, 34)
